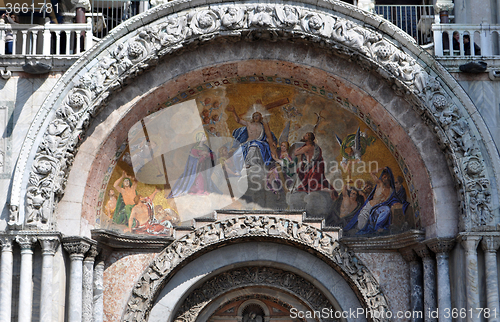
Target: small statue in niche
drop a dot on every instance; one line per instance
(252, 317)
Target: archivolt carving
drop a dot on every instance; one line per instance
(252, 276)
(128, 58)
(283, 230)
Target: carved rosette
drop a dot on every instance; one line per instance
(344, 261)
(76, 246)
(130, 57)
(197, 300)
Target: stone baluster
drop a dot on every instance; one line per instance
(49, 247)
(6, 279)
(442, 246)
(76, 247)
(88, 280)
(26, 278)
(416, 282)
(469, 243)
(490, 246)
(429, 281)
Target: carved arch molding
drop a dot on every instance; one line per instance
(245, 228)
(137, 45)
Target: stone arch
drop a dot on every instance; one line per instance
(198, 301)
(244, 229)
(137, 45)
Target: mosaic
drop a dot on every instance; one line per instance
(257, 143)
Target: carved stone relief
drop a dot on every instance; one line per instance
(129, 58)
(251, 276)
(343, 260)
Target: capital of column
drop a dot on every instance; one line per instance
(92, 253)
(443, 5)
(6, 242)
(423, 251)
(441, 245)
(470, 242)
(490, 243)
(76, 246)
(408, 254)
(49, 245)
(26, 242)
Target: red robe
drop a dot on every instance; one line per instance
(312, 174)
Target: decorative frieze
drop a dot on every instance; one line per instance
(281, 230)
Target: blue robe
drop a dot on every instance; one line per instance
(193, 168)
(380, 214)
(241, 137)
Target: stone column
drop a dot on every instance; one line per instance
(429, 281)
(469, 243)
(99, 285)
(49, 248)
(416, 283)
(6, 279)
(443, 7)
(88, 280)
(490, 246)
(442, 246)
(26, 278)
(76, 247)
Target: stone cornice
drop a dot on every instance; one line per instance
(391, 242)
(130, 242)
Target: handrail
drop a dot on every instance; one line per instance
(482, 35)
(47, 39)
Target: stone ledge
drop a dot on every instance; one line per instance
(392, 242)
(130, 242)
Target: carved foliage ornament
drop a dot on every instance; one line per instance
(256, 21)
(345, 261)
(251, 276)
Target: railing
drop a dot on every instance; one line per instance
(414, 20)
(48, 39)
(485, 38)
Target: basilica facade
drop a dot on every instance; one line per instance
(252, 161)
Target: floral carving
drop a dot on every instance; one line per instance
(130, 57)
(285, 230)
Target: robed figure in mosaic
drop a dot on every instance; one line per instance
(375, 215)
(197, 176)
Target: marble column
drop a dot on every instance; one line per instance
(26, 278)
(88, 281)
(442, 8)
(469, 243)
(99, 286)
(76, 247)
(49, 248)
(490, 246)
(416, 283)
(6, 279)
(429, 281)
(442, 246)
